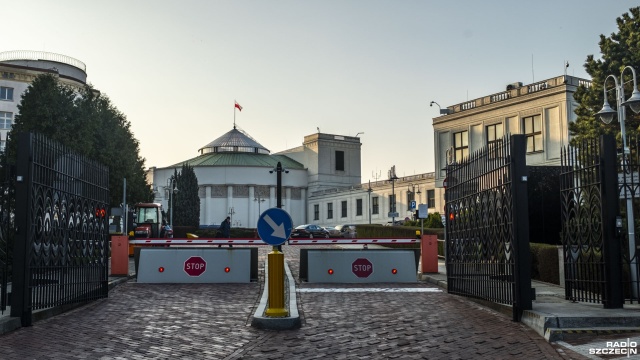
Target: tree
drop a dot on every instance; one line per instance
(186, 199)
(618, 50)
(86, 122)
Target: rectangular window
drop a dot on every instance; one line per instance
(329, 210)
(392, 203)
(494, 140)
(431, 199)
(316, 212)
(3, 145)
(533, 132)
(344, 209)
(339, 160)
(461, 145)
(6, 93)
(375, 206)
(6, 120)
(358, 207)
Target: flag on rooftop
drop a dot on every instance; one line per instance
(238, 106)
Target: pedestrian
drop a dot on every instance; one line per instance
(225, 228)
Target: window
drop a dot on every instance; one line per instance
(339, 160)
(6, 120)
(316, 212)
(375, 206)
(358, 207)
(3, 145)
(344, 209)
(392, 203)
(461, 145)
(329, 211)
(6, 93)
(533, 133)
(431, 199)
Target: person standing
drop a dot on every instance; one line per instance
(225, 229)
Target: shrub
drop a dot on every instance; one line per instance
(544, 263)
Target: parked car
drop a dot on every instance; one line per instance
(347, 231)
(333, 232)
(397, 222)
(309, 231)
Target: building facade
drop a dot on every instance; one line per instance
(19, 68)
(541, 111)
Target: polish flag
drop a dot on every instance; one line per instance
(238, 106)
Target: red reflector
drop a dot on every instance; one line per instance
(227, 269)
(394, 271)
(160, 269)
(330, 271)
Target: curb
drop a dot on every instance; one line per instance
(281, 323)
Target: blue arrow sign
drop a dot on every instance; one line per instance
(274, 226)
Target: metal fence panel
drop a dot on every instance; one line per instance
(61, 253)
(486, 238)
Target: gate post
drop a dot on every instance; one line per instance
(612, 292)
(20, 290)
(520, 229)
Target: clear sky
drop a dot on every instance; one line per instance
(174, 68)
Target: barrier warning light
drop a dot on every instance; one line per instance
(330, 271)
(394, 271)
(227, 269)
(451, 216)
(160, 269)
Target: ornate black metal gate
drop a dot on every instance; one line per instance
(7, 233)
(61, 249)
(590, 223)
(487, 229)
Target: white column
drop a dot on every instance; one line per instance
(252, 218)
(229, 202)
(287, 204)
(208, 212)
(273, 202)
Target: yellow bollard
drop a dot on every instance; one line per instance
(276, 284)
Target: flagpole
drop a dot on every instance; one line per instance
(234, 113)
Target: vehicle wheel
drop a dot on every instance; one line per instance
(310, 236)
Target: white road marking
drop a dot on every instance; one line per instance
(402, 290)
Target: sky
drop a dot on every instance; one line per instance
(347, 67)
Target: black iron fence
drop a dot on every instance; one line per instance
(590, 196)
(487, 235)
(7, 233)
(61, 250)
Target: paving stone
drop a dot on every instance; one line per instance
(210, 321)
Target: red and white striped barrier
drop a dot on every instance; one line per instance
(352, 241)
(234, 241)
(238, 241)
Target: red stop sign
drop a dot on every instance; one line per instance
(195, 266)
(362, 268)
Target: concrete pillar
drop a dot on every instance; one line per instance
(208, 210)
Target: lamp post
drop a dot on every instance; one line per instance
(259, 200)
(412, 192)
(171, 183)
(369, 190)
(606, 114)
(393, 178)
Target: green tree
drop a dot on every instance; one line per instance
(86, 122)
(617, 51)
(187, 201)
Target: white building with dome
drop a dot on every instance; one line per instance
(322, 184)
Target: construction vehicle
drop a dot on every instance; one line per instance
(150, 222)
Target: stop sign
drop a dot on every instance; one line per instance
(362, 268)
(195, 266)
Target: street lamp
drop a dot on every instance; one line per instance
(412, 193)
(171, 183)
(393, 178)
(259, 200)
(606, 114)
(369, 190)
